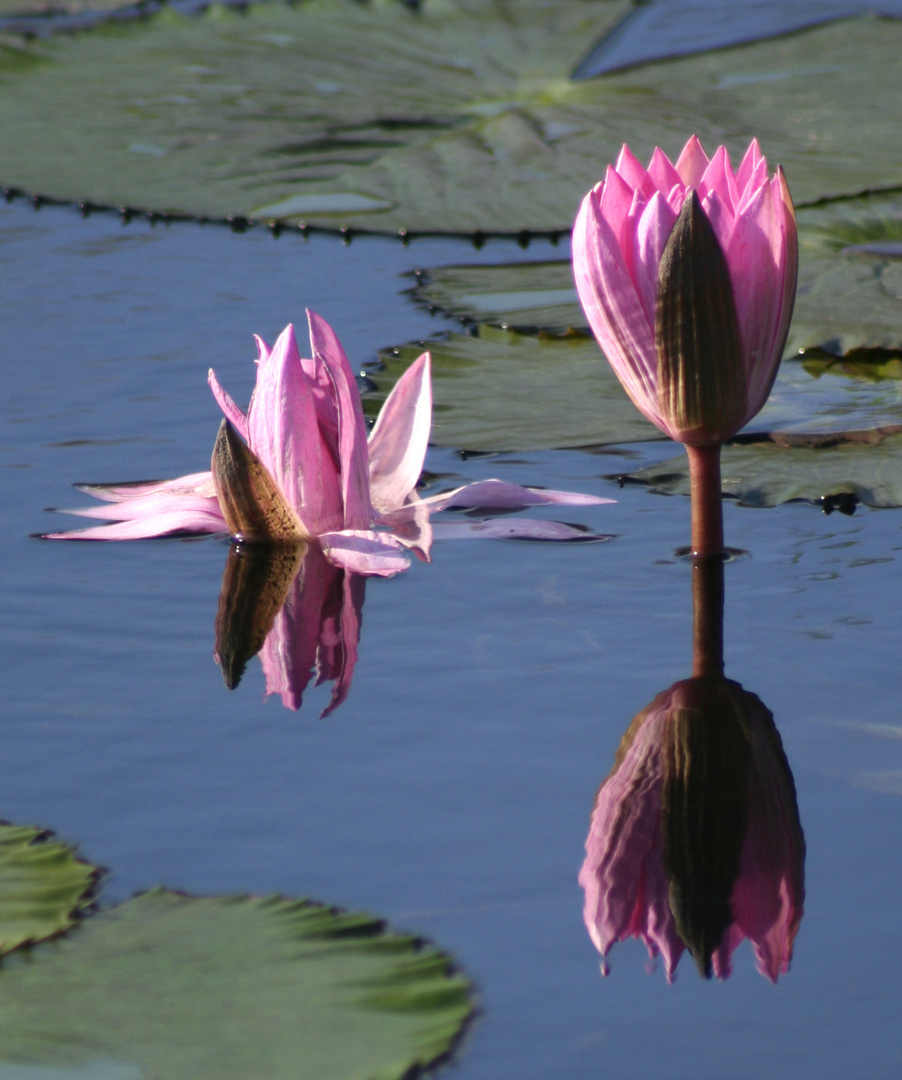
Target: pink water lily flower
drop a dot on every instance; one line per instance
(619, 239)
(300, 458)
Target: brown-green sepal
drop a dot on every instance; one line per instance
(252, 504)
(701, 376)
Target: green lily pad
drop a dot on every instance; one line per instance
(523, 296)
(44, 889)
(850, 277)
(231, 987)
(456, 116)
(499, 390)
(865, 465)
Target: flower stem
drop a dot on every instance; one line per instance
(707, 505)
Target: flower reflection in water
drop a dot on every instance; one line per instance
(295, 609)
(695, 840)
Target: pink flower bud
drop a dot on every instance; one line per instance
(695, 334)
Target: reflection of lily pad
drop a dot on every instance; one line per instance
(43, 887)
(767, 473)
(498, 390)
(453, 116)
(172, 986)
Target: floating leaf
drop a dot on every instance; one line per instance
(524, 296)
(498, 390)
(850, 277)
(866, 466)
(232, 987)
(454, 116)
(43, 887)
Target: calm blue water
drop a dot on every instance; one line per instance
(451, 793)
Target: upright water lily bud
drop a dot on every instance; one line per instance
(701, 379)
(687, 274)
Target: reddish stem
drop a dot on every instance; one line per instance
(707, 505)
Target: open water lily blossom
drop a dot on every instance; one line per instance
(298, 467)
(687, 274)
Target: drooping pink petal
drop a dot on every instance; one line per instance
(365, 552)
(501, 495)
(398, 442)
(152, 505)
(236, 417)
(165, 523)
(410, 525)
(195, 484)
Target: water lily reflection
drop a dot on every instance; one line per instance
(295, 609)
(695, 840)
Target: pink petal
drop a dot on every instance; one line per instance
(352, 446)
(631, 169)
(284, 433)
(195, 484)
(750, 165)
(364, 552)
(613, 308)
(499, 494)
(662, 172)
(162, 524)
(233, 414)
(410, 526)
(149, 506)
(719, 178)
(692, 163)
(649, 239)
(397, 444)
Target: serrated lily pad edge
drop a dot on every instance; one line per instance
(87, 902)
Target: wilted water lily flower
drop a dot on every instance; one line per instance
(687, 274)
(298, 467)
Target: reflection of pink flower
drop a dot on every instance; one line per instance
(698, 816)
(300, 613)
(619, 239)
(304, 428)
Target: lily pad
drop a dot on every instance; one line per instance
(44, 889)
(850, 277)
(231, 987)
(865, 466)
(499, 390)
(849, 296)
(454, 116)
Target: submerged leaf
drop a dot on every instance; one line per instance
(232, 987)
(43, 887)
(262, 114)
